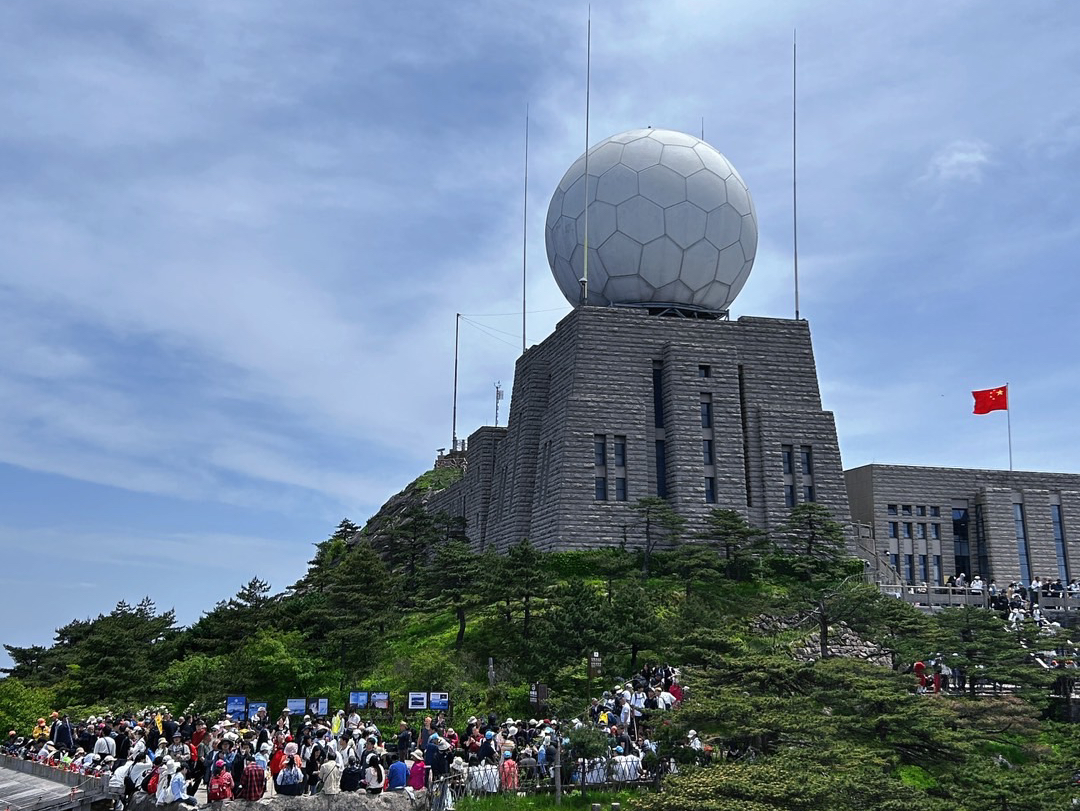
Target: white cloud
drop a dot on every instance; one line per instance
(960, 161)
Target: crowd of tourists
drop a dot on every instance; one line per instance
(155, 757)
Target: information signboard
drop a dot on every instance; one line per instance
(439, 701)
(418, 701)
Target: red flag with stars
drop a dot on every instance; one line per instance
(988, 400)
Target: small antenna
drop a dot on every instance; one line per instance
(524, 237)
(794, 174)
(498, 399)
(588, 85)
(457, 332)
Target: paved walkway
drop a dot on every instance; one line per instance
(22, 791)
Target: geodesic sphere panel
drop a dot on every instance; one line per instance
(669, 222)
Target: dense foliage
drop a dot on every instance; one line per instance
(727, 604)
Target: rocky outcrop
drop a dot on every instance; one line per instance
(407, 800)
(845, 643)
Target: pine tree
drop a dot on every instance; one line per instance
(661, 524)
(453, 581)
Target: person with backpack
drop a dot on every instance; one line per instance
(290, 780)
(221, 784)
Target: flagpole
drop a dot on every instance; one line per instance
(1008, 422)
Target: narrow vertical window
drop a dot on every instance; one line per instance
(707, 451)
(658, 394)
(788, 454)
(789, 495)
(600, 450)
(620, 488)
(807, 454)
(710, 490)
(1021, 543)
(706, 413)
(808, 493)
(937, 570)
(601, 488)
(1059, 543)
(620, 451)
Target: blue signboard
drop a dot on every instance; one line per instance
(297, 706)
(439, 701)
(380, 701)
(359, 699)
(255, 706)
(236, 706)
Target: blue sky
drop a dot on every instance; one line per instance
(235, 235)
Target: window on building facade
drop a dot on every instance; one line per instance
(620, 488)
(920, 531)
(924, 569)
(891, 509)
(894, 529)
(937, 570)
(808, 493)
(935, 512)
(704, 371)
(935, 531)
(620, 451)
(1059, 543)
(710, 490)
(599, 450)
(788, 454)
(1021, 543)
(807, 457)
(906, 509)
(894, 560)
(982, 553)
(707, 451)
(658, 394)
(706, 412)
(907, 529)
(961, 550)
(789, 495)
(920, 511)
(909, 569)
(601, 488)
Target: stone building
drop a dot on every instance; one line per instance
(936, 522)
(621, 403)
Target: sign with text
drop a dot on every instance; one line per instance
(297, 706)
(538, 694)
(439, 701)
(596, 667)
(320, 706)
(236, 706)
(417, 701)
(359, 699)
(380, 701)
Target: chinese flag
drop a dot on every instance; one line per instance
(989, 400)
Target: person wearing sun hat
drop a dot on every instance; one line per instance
(417, 771)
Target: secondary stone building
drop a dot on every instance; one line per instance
(1004, 525)
(621, 403)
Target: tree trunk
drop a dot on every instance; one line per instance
(461, 627)
(823, 621)
(633, 657)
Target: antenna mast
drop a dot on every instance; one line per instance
(457, 331)
(794, 175)
(588, 85)
(498, 399)
(524, 240)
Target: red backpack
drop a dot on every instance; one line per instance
(220, 787)
(150, 784)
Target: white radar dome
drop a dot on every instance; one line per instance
(670, 223)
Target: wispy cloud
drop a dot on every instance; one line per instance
(960, 161)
